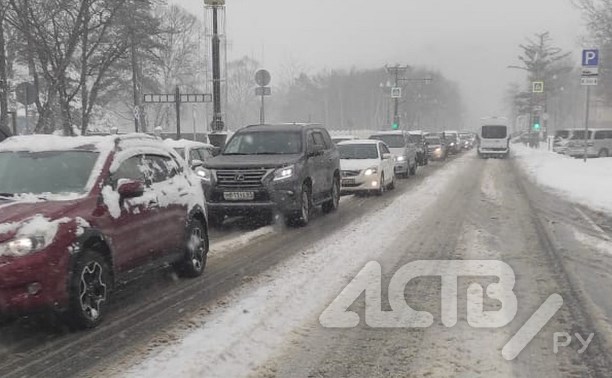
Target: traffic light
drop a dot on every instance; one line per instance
(536, 123)
(395, 126)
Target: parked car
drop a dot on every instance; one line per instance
(82, 213)
(366, 166)
(403, 149)
(267, 169)
(418, 138)
(342, 138)
(436, 148)
(599, 143)
(453, 142)
(561, 140)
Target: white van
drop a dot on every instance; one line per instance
(599, 143)
(494, 141)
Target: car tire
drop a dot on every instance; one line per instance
(603, 153)
(413, 169)
(302, 217)
(392, 184)
(195, 249)
(334, 202)
(381, 186)
(89, 290)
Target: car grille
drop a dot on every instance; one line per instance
(240, 179)
(350, 173)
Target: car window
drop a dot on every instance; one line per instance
(194, 154)
(130, 169)
(327, 139)
(318, 139)
(161, 167)
(205, 153)
(599, 135)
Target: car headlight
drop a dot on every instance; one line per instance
(284, 173)
(22, 246)
(371, 171)
(401, 158)
(204, 174)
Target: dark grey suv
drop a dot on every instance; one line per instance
(268, 169)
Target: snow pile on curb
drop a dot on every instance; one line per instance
(259, 317)
(589, 184)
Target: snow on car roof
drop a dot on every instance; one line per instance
(358, 141)
(185, 143)
(40, 143)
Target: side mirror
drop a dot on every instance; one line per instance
(216, 151)
(386, 156)
(316, 151)
(195, 163)
(130, 188)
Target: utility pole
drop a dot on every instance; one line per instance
(397, 72)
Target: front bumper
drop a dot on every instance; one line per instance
(282, 196)
(46, 271)
(436, 154)
(401, 166)
(359, 183)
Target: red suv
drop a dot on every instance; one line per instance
(79, 214)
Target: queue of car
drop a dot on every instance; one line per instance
(77, 214)
(571, 142)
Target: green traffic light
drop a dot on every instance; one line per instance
(536, 126)
(395, 126)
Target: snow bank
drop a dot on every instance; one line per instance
(261, 315)
(589, 184)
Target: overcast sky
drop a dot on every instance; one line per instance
(469, 41)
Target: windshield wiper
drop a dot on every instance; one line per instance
(235, 154)
(7, 195)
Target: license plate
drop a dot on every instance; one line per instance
(239, 196)
(348, 181)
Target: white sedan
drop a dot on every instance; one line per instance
(367, 166)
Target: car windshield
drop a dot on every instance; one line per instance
(433, 141)
(393, 141)
(417, 138)
(564, 134)
(52, 172)
(265, 143)
(358, 151)
(494, 132)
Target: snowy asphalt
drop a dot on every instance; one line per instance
(487, 211)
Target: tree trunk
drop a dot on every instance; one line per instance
(4, 87)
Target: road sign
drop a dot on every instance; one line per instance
(263, 91)
(590, 71)
(136, 112)
(26, 93)
(538, 87)
(589, 81)
(590, 58)
(396, 92)
(263, 78)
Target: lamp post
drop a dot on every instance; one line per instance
(217, 138)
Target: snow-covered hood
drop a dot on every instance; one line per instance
(358, 164)
(251, 161)
(13, 214)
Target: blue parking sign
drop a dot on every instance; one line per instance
(590, 58)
